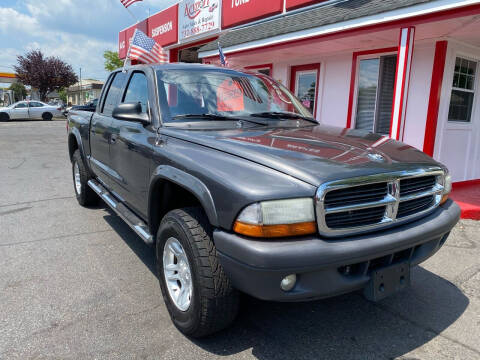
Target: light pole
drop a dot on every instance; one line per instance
(80, 87)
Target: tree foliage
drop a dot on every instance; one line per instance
(46, 74)
(112, 61)
(62, 94)
(19, 91)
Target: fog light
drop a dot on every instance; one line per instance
(288, 282)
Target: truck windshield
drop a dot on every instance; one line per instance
(218, 95)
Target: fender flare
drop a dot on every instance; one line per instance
(76, 133)
(188, 182)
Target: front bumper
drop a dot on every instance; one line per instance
(328, 267)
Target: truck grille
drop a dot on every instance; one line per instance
(368, 203)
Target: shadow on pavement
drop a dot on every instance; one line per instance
(344, 327)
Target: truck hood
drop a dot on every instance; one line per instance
(314, 154)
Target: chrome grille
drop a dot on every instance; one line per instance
(356, 195)
(411, 207)
(417, 185)
(355, 217)
(367, 203)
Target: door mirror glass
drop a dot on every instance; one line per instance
(131, 111)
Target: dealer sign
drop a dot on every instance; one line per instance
(198, 17)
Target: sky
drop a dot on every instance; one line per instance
(77, 31)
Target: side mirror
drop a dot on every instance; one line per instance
(130, 112)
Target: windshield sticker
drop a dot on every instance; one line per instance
(230, 96)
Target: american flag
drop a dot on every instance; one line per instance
(223, 59)
(146, 50)
(127, 3)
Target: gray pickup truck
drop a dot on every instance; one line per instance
(238, 189)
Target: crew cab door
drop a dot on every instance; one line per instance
(131, 147)
(100, 129)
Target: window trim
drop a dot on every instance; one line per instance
(451, 88)
(261, 67)
(294, 70)
(371, 56)
(356, 57)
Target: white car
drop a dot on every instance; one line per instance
(29, 110)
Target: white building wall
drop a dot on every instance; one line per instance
(334, 85)
(418, 94)
(334, 90)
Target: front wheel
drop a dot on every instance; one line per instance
(4, 117)
(196, 291)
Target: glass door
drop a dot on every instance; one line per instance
(304, 84)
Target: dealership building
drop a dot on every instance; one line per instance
(407, 69)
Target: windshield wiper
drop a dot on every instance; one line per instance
(282, 114)
(217, 117)
(205, 116)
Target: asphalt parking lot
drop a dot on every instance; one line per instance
(78, 283)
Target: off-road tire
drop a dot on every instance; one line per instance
(47, 116)
(86, 197)
(214, 303)
(4, 117)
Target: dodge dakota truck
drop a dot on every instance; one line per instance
(238, 189)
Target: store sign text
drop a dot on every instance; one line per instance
(162, 29)
(198, 17)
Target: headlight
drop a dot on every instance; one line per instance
(278, 218)
(447, 186)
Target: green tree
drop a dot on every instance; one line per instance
(19, 91)
(62, 94)
(112, 61)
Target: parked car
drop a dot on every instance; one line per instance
(238, 189)
(90, 106)
(29, 110)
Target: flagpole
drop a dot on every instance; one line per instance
(133, 16)
(128, 52)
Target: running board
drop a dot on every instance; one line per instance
(121, 210)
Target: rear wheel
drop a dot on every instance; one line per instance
(4, 117)
(196, 291)
(84, 194)
(47, 116)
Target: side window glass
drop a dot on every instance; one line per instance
(21, 106)
(137, 90)
(113, 93)
(35, 104)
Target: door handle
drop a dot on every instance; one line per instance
(113, 139)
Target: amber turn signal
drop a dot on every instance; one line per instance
(274, 231)
(444, 199)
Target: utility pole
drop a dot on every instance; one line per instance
(81, 102)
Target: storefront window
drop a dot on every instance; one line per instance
(375, 94)
(463, 90)
(305, 88)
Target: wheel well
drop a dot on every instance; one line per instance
(72, 145)
(166, 196)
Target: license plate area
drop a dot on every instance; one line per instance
(387, 281)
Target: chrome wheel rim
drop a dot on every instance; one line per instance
(76, 177)
(178, 276)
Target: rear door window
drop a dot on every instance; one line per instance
(35, 104)
(113, 94)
